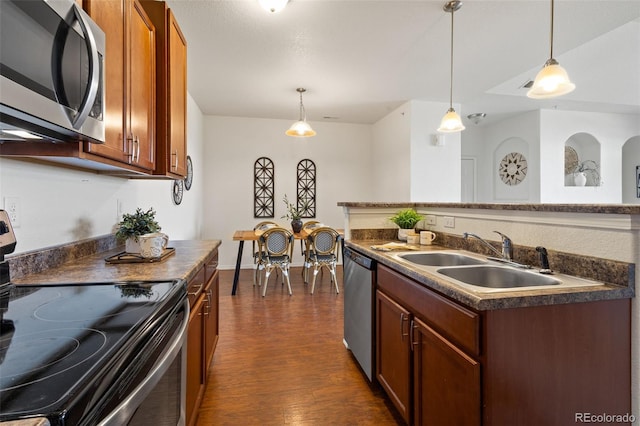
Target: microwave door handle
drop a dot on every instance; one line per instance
(94, 71)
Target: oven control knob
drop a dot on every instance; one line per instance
(4, 228)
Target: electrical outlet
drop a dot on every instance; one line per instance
(430, 219)
(12, 207)
(449, 222)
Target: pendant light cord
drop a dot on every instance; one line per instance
(451, 67)
(303, 113)
(551, 38)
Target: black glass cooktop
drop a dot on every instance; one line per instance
(57, 341)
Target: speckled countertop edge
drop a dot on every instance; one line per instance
(569, 208)
(491, 301)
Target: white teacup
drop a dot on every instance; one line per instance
(152, 245)
(427, 237)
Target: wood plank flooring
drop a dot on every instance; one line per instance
(280, 360)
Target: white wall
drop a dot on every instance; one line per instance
(435, 169)
(611, 130)
(630, 160)
(341, 153)
(391, 156)
(59, 205)
(545, 133)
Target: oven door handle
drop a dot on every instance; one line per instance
(123, 412)
(94, 71)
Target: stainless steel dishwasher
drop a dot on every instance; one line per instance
(359, 276)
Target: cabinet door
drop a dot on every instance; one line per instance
(393, 363)
(177, 102)
(211, 320)
(109, 15)
(195, 360)
(141, 99)
(446, 380)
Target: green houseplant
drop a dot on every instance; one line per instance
(294, 214)
(405, 219)
(133, 226)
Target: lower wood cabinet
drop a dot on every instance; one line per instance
(442, 363)
(203, 333)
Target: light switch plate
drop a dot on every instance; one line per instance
(430, 219)
(449, 222)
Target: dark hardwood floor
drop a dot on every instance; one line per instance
(280, 360)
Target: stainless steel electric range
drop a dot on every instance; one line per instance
(89, 354)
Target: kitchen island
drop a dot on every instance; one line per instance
(534, 356)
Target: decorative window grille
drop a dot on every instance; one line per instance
(263, 188)
(306, 188)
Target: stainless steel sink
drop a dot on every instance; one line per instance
(440, 259)
(498, 277)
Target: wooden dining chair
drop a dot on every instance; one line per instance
(276, 251)
(322, 250)
(260, 226)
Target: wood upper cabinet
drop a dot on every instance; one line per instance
(130, 83)
(171, 49)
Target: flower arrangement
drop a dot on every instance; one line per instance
(589, 168)
(293, 213)
(406, 219)
(137, 224)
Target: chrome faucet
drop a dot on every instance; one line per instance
(506, 256)
(507, 247)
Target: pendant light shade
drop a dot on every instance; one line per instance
(273, 6)
(552, 80)
(451, 121)
(301, 128)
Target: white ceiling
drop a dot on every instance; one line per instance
(361, 59)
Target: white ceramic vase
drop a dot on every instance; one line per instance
(580, 179)
(132, 245)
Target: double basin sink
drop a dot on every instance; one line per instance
(480, 275)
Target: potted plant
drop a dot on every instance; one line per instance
(406, 220)
(584, 170)
(133, 226)
(294, 214)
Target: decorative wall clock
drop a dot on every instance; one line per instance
(513, 168)
(177, 191)
(188, 180)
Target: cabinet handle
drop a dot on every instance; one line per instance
(411, 335)
(129, 149)
(208, 302)
(137, 151)
(197, 291)
(174, 166)
(403, 318)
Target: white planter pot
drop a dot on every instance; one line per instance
(132, 245)
(580, 179)
(402, 234)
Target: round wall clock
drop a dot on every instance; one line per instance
(188, 180)
(177, 190)
(513, 168)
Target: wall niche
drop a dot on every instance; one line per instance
(582, 160)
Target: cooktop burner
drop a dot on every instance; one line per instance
(57, 342)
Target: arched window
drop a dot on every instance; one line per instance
(306, 190)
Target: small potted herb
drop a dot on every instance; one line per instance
(406, 220)
(135, 225)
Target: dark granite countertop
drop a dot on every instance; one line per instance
(569, 208)
(189, 256)
(497, 300)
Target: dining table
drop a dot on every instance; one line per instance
(253, 235)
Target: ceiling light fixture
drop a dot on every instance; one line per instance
(451, 121)
(273, 6)
(552, 80)
(476, 117)
(301, 128)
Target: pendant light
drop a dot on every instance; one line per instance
(301, 128)
(552, 80)
(273, 6)
(451, 121)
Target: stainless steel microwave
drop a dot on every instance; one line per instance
(51, 72)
